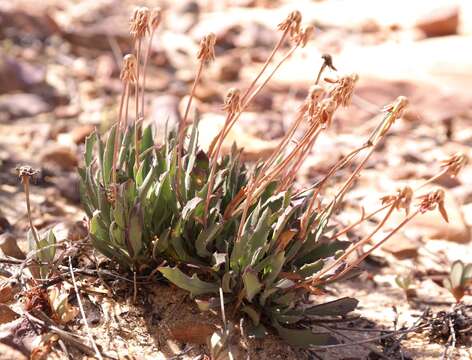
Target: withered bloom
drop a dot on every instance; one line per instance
(325, 111)
(128, 72)
(402, 199)
(304, 35)
(232, 103)
(206, 53)
(343, 90)
(26, 172)
(139, 22)
(155, 18)
(433, 199)
(315, 94)
(291, 23)
(454, 164)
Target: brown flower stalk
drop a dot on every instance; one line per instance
(231, 105)
(25, 173)
(139, 27)
(206, 54)
(128, 75)
(155, 18)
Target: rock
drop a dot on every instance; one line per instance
(22, 105)
(59, 156)
(10, 247)
(440, 22)
(194, 333)
(26, 21)
(8, 353)
(68, 186)
(165, 112)
(79, 133)
(402, 246)
(227, 68)
(7, 314)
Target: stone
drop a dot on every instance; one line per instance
(59, 156)
(9, 246)
(22, 105)
(79, 133)
(6, 314)
(402, 246)
(441, 21)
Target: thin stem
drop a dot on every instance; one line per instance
(354, 246)
(182, 126)
(25, 180)
(118, 129)
(376, 246)
(136, 125)
(146, 59)
(214, 162)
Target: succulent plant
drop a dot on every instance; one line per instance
(460, 278)
(219, 224)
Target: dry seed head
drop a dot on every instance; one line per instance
(433, 199)
(291, 23)
(26, 172)
(206, 52)
(139, 22)
(232, 103)
(455, 163)
(402, 199)
(155, 18)
(305, 35)
(343, 90)
(315, 94)
(128, 72)
(328, 61)
(398, 107)
(325, 111)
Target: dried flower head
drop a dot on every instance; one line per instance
(454, 163)
(26, 172)
(433, 199)
(291, 23)
(128, 72)
(325, 111)
(304, 35)
(401, 200)
(315, 94)
(232, 103)
(155, 18)
(395, 111)
(139, 22)
(342, 91)
(328, 61)
(206, 52)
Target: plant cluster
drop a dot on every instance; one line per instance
(207, 221)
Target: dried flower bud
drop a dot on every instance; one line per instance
(304, 35)
(206, 52)
(325, 111)
(343, 90)
(402, 199)
(232, 102)
(139, 22)
(395, 110)
(291, 23)
(155, 18)
(315, 94)
(26, 171)
(328, 61)
(454, 164)
(128, 72)
(433, 199)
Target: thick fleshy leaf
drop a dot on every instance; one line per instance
(108, 157)
(304, 338)
(252, 285)
(135, 231)
(337, 307)
(457, 269)
(192, 284)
